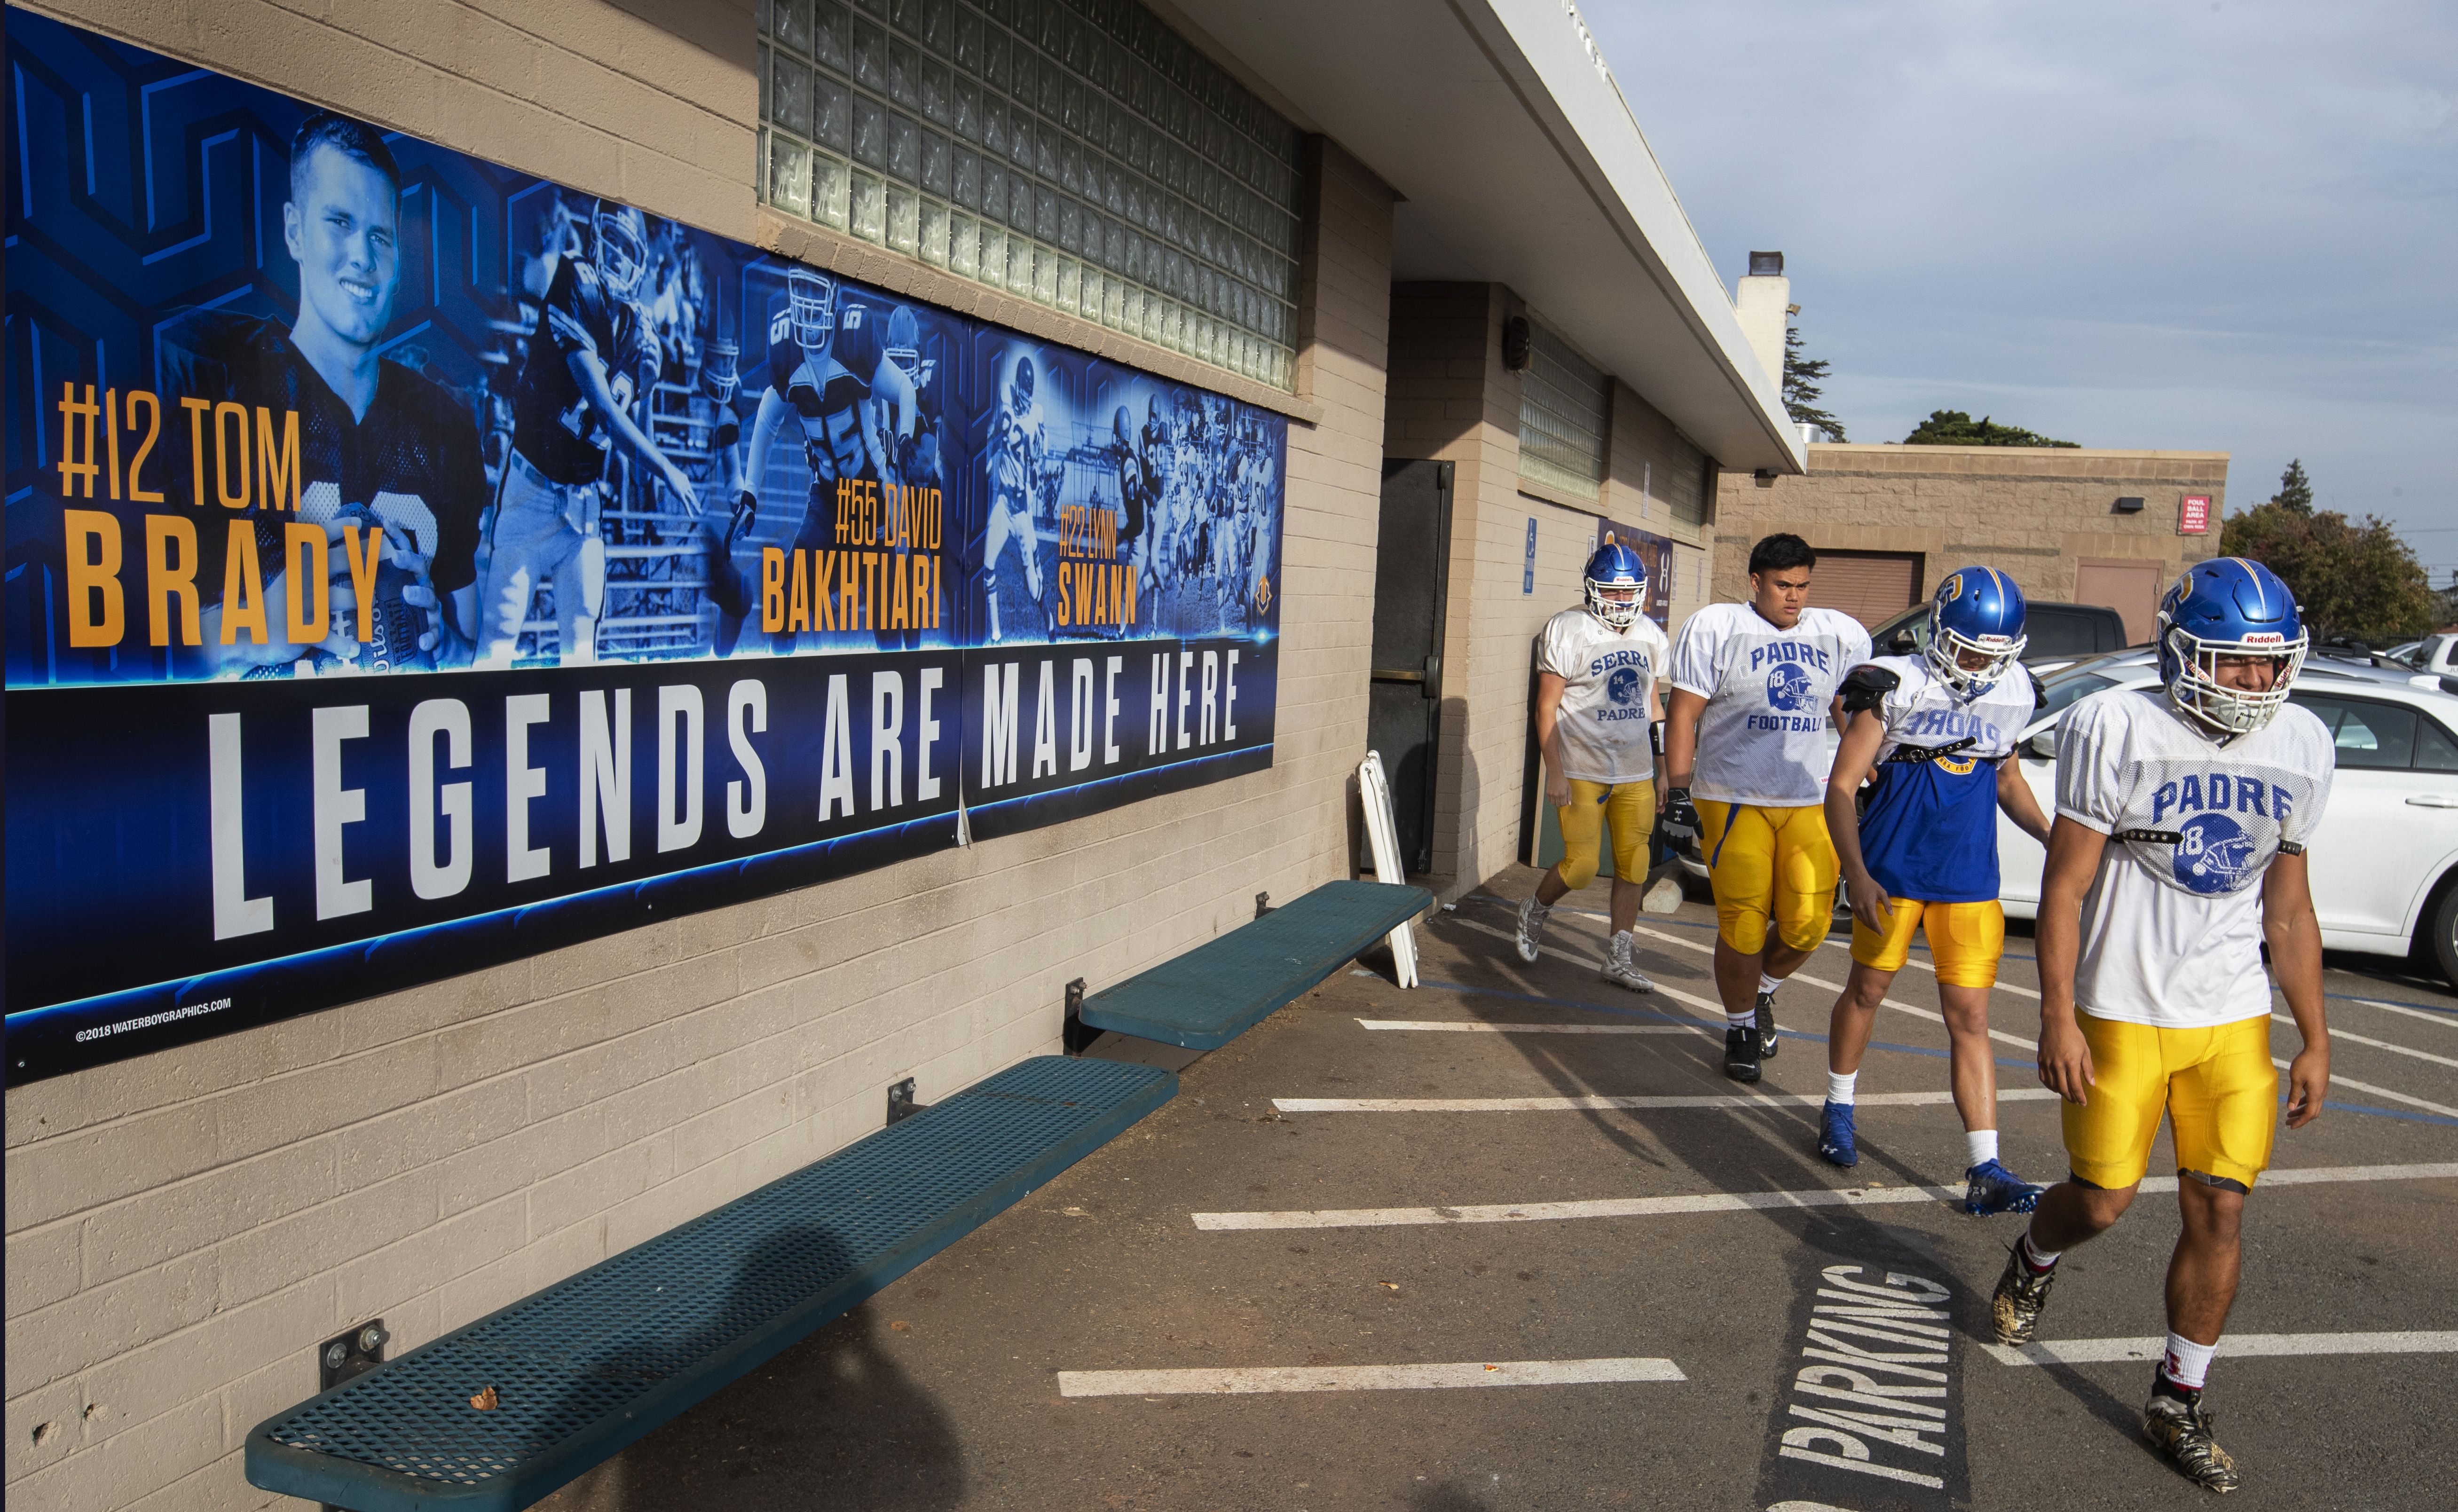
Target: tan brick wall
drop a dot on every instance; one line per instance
(2031, 513)
(1451, 400)
(182, 1229)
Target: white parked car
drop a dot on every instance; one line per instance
(2385, 862)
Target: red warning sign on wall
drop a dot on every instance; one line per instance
(2193, 516)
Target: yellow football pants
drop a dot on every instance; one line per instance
(1965, 939)
(1630, 806)
(2216, 1085)
(1769, 865)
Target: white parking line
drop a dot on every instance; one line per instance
(1235, 1380)
(1730, 1202)
(2337, 1033)
(2233, 1346)
(2445, 1021)
(1573, 1105)
(1446, 1026)
(2336, 1081)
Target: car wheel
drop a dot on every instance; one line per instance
(2438, 948)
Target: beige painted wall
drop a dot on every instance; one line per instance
(1452, 400)
(182, 1229)
(2030, 512)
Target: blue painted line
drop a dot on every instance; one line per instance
(2392, 1002)
(1875, 1045)
(1676, 1018)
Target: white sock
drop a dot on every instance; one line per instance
(1746, 1019)
(2187, 1361)
(1768, 983)
(2040, 1260)
(1979, 1147)
(1839, 1085)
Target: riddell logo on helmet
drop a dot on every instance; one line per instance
(2268, 637)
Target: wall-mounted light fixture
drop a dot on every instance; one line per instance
(1518, 342)
(2128, 505)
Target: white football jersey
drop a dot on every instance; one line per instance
(1611, 676)
(2172, 926)
(1924, 710)
(1763, 739)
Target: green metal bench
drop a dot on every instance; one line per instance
(1202, 1000)
(588, 1365)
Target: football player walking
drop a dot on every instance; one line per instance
(1753, 687)
(1936, 732)
(1596, 701)
(2152, 996)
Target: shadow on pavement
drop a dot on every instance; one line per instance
(833, 1421)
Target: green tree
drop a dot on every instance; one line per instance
(2295, 490)
(1802, 383)
(1952, 428)
(2354, 580)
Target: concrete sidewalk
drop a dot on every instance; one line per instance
(1316, 1291)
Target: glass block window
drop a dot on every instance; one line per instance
(1074, 153)
(1565, 406)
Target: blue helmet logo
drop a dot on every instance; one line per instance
(1788, 687)
(2215, 856)
(1622, 687)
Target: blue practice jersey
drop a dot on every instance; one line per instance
(1930, 829)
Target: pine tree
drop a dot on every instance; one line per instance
(2295, 490)
(1801, 386)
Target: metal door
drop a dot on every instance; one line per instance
(1412, 577)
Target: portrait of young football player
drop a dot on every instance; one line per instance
(833, 379)
(381, 447)
(2178, 854)
(1596, 704)
(1019, 443)
(1933, 734)
(1745, 761)
(590, 357)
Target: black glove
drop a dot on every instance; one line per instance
(1681, 817)
(746, 510)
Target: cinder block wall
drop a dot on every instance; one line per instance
(2033, 513)
(1451, 400)
(183, 1228)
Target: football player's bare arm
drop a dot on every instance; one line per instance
(1853, 759)
(1549, 737)
(2074, 852)
(765, 426)
(1682, 737)
(587, 372)
(892, 386)
(2021, 804)
(2295, 940)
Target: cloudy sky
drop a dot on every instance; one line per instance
(2197, 226)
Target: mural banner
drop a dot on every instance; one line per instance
(414, 564)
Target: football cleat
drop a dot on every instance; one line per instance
(1993, 1189)
(2180, 1430)
(1741, 1054)
(1835, 1135)
(2020, 1296)
(1620, 968)
(1767, 1025)
(1531, 928)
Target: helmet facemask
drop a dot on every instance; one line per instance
(1617, 615)
(811, 300)
(1945, 649)
(721, 371)
(2189, 665)
(622, 248)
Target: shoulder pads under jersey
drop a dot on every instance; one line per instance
(1866, 687)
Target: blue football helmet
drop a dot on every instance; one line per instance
(1616, 568)
(1977, 609)
(2228, 606)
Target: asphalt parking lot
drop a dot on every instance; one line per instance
(1510, 1241)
